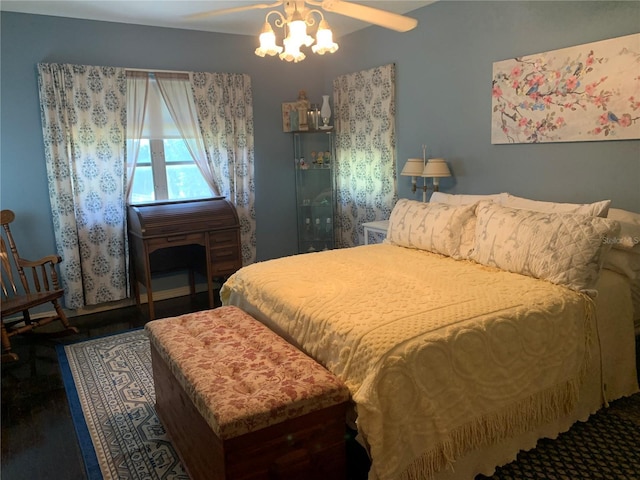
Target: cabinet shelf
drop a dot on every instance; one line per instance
(315, 192)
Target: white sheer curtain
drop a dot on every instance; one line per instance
(224, 104)
(364, 104)
(137, 94)
(83, 127)
(176, 91)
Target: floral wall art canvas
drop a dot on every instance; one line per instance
(583, 93)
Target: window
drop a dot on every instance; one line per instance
(165, 170)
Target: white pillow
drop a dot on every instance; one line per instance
(565, 249)
(623, 261)
(629, 238)
(635, 300)
(435, 227)
(624, 216)
(597, 209)
(458, 199)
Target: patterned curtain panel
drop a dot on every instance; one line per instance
(364, 104)
(224, 103)
(84, 121)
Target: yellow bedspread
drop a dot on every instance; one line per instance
(439, 355)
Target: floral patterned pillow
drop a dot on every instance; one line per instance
(597, 209)
(464, 199)
(563, 248)
(436, 227)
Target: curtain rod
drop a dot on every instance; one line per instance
(152, 70)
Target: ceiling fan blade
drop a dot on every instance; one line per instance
(226, 11)
(383, 18)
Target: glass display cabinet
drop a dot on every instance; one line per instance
(315, 198)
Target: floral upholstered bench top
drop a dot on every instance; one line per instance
(240, 375)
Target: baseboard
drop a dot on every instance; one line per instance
(157, 296)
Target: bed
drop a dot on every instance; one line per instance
(463, 338)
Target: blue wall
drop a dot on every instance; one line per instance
(29, 39)
(444, 73)
(443, 100)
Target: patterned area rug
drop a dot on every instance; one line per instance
(109, 385)
(110, 388)
(607, 447)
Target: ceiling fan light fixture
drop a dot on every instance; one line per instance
(300, 14)
(324, 40)
(294, 25)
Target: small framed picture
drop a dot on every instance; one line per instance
(290, 121)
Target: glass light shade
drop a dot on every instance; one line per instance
(413, 168)
(267, 42)
(292, 51)
(298, 33)
(436, 167)
(324, 40)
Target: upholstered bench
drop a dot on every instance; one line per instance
(239, 402)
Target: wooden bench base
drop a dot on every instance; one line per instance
(310, 447)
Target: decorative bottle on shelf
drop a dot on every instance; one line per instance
(317, 229)
(314, 115)
(325, 112)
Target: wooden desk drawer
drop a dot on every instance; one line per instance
(225, 252)
(225, 237)
(175, 240)
(224, 247)
(226, 267)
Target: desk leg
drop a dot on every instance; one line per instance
(192, 283)
(147, 267)
(152, 313)
(136, 287)
(134, 265)
(209, 272)
(366, 235)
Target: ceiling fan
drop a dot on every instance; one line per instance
(375, 16)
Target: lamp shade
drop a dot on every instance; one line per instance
(324, 40)
(413, 167)
(436, 167)
(267, 42)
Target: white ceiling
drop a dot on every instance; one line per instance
(175, 13)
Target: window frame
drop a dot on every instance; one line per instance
(158, 169)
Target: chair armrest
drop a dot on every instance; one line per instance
(53, 259)
(41, 279)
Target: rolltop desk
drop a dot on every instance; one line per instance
(198, 235)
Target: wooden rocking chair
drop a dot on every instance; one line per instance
(41, 288)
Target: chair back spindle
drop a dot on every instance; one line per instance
(8, 284)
